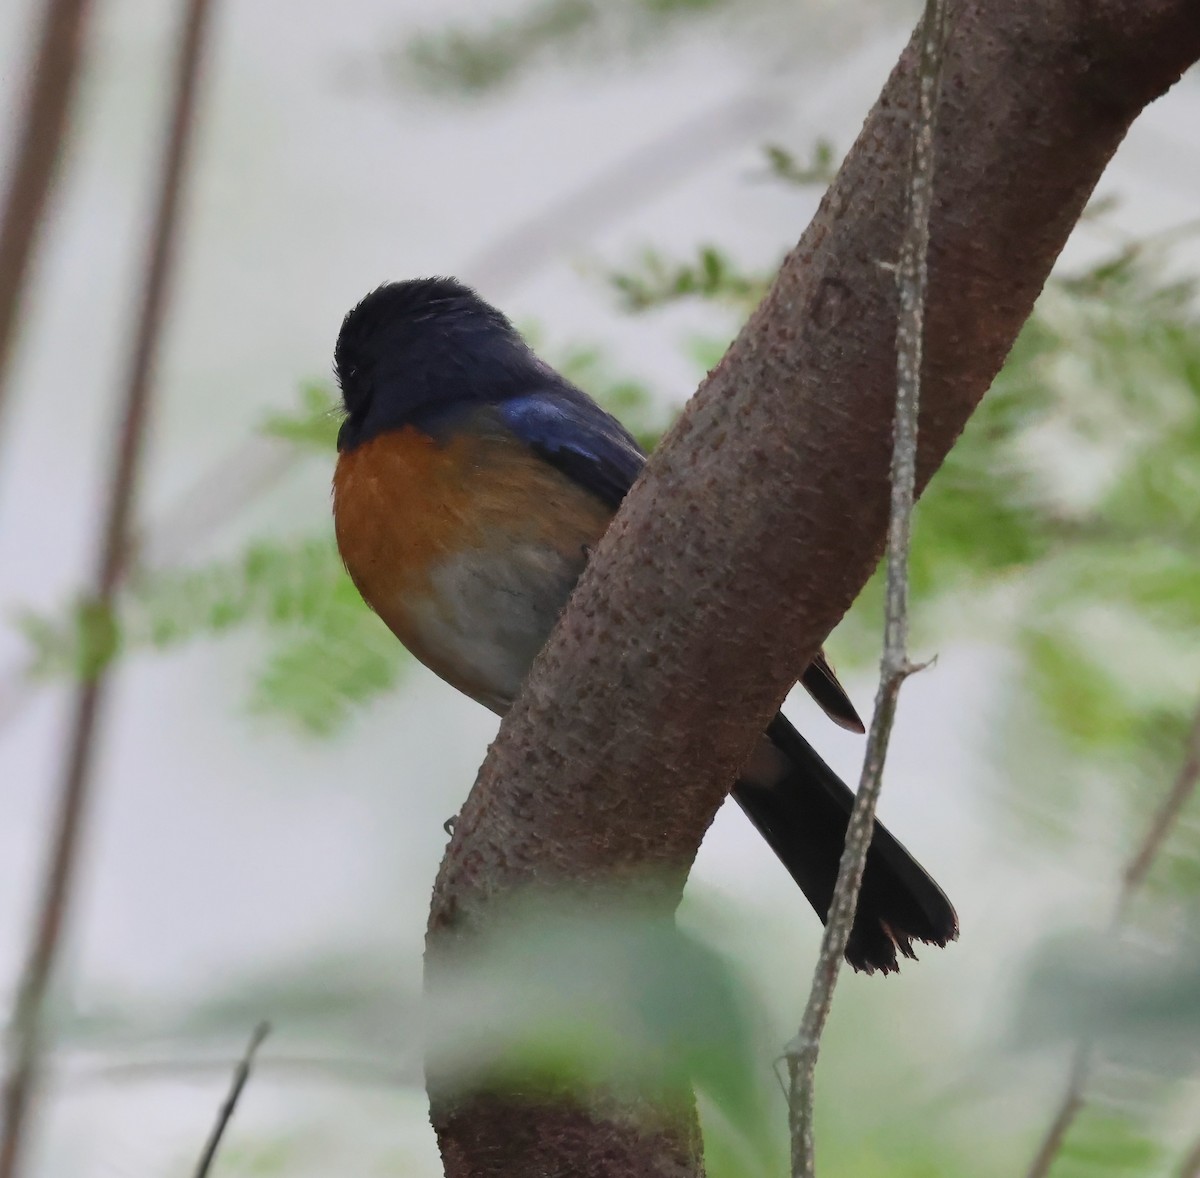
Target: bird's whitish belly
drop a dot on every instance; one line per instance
(468, 551)
(488, 616)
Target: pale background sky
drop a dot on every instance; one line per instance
(222, 848)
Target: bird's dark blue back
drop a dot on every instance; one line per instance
(430, 353)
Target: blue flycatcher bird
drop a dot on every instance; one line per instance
(472, 480)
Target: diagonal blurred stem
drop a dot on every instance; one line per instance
(1162, 823)
(1158, 831)
(1070, 1105)
(26, 1026)
(241, 1075)
(912, 279)
(45, 119)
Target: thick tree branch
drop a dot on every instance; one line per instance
(913, 279)
(765, 510)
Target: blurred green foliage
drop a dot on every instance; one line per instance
(656, 281)
(1111, 1141)
(820, 168)
(604, 992)
(1139, 1002)
(314, 423)
(326, 652)
(592, 992)
(479, 58)
(1135, 1004)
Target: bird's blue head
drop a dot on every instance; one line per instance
(418, 352)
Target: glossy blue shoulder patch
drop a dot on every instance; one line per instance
(571, 432)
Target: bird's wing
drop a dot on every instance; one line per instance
(592, 448)
(821, 682)
(573, 434)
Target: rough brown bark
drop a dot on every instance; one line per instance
(764, 511)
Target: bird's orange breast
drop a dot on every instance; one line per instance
(400, 504)
(445, 539)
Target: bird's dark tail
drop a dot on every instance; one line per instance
(801, 807)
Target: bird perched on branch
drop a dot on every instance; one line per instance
(472, 480)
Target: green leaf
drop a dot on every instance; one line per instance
(314, 425)
(820, 168)
(601, 992)
(329, 653)
(319, 676)
(1110, 1141)
(654, 281)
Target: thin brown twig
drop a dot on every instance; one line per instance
(26, 1026)
(240, 1075)
(54, 74)
(1162, 823)
(1133, 877)
(1070, 1106)
(912, 281)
